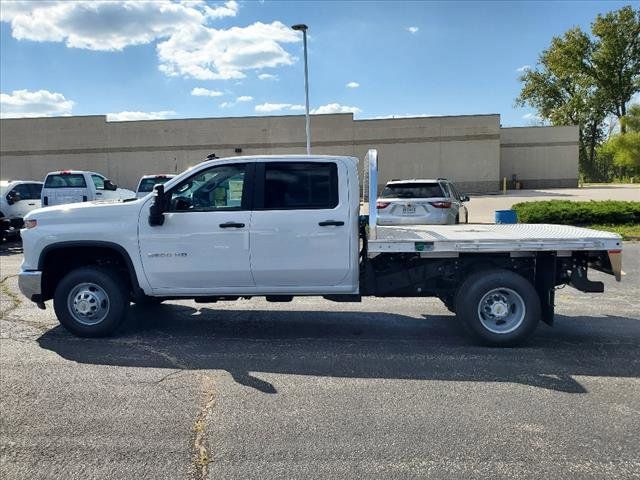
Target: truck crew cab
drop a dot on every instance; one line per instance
(281, 226)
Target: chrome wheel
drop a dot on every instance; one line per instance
(501, 310)
(88, 303)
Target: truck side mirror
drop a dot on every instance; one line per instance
(109, 185)
(159, 206)
(464, 198)
(13, 197)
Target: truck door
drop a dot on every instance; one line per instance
(203, 245)
(300, 229)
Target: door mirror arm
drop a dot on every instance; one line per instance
(159, 206)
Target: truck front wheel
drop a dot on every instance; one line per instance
(90, 301)
(498, 307)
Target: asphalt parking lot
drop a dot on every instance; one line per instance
(312, 389)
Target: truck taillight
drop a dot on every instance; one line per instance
(440, 204)
(382, 205)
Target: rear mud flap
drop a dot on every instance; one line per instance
(580, 281)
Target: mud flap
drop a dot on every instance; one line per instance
(580, 281)
(545, 284)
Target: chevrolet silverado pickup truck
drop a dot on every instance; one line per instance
(290, 225)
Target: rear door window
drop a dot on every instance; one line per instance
(412, 190)
(300, 185)
(65, 180)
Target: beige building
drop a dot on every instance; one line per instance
(472, 150)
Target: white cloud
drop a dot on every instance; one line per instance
(532, 117)
(523, 68)
(209, 54)
(26, 103)
(226, 104)
(413, 30)
(352, 85)
(329, 108)
(276, 107)
(128, 116)
(267, 76)
(244, 98)
(103, 25)
(229, 9)
(204, 92)
(187, 45)
(335, 108)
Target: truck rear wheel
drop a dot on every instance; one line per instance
(90, 301)
(499, 307)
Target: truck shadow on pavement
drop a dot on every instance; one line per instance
(355, 344)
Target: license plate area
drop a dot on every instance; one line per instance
(408, 210)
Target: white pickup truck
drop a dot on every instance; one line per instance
(285, 226)
(72, 186)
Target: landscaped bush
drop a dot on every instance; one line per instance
(579, 213)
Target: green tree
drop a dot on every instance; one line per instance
(614, 60)
(581, 79)
(623, 149)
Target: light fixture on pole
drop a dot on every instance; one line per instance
(303, 28)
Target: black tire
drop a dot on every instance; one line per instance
(113, 295)
(474, 307)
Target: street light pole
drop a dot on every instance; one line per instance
(302, 27)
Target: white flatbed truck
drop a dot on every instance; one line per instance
(289, 225)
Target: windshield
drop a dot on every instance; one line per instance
(147, 184)
(65, 180)
(412, 190)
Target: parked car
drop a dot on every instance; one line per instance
(17, 198)
(72, 186)
(147, 182)
(419, 202)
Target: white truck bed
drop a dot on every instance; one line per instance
(454, 239)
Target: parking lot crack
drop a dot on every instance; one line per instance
(15, 300)
(202, 456)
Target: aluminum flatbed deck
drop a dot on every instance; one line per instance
(455, 239)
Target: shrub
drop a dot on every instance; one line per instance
(579, 213)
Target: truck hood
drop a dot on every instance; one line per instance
(99, 210)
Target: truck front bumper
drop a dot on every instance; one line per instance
(30, 284)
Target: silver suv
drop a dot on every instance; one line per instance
(418, 202)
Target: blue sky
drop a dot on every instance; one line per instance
(138, 60)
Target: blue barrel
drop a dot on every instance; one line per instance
(506, 216)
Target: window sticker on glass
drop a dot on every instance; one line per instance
(235, 192)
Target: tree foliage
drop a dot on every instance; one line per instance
(624, 149)
(581, 79)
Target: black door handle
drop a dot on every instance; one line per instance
(327, 223)
(231, 225)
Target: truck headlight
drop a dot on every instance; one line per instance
(32, 223)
